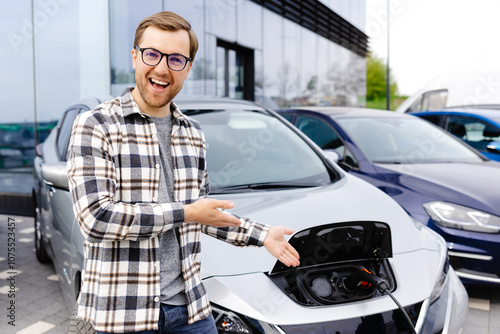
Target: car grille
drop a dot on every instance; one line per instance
(386, 322)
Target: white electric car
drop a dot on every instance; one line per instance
(366, 266)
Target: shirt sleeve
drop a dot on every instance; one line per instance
(92, 177)
(249, 233)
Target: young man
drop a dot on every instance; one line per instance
(138, 179)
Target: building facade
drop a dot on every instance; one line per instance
(277, 52)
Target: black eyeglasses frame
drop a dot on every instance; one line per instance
(161, 58)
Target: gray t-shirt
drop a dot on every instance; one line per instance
(171, 280)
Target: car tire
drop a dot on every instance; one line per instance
(80, 326)
(41, 253)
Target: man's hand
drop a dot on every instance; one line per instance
(276, 244)
(206, 211)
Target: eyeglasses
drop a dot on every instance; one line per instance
(152, 57)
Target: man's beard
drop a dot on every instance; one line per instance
(153, 100)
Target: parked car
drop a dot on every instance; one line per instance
(435, 177)
(478, 127)
(358, 247)
(474, 88)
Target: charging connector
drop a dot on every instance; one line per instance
(366, 280)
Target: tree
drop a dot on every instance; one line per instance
(376, 79)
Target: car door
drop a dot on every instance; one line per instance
(61, 205)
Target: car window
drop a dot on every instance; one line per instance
(321, 133)
(434, 119)
(433, 100)
(405, 140)
(252, 147)
(64, 133)
(288, 117)
(325, 136)
(474, 132)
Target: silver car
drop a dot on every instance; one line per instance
(366, 266)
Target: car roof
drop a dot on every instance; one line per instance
(213, 102)
(486, 112)
(349, 112)
(91, 101)
(483, 112)
(184, 102)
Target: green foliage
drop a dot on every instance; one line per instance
(376, 75)
(376, 79)
(381, 103)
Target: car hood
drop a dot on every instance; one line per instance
(348, 200)
(468, 184)
(236, 278)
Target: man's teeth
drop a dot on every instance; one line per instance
(163, 83)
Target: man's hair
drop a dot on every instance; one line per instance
(168, 21)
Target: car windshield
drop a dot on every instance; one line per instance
(251, 149)
(405, 140)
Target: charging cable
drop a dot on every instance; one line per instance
(366, 280)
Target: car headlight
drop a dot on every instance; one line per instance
(441, 281)
(229, 322)
(462, 217)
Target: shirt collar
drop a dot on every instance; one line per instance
(130, 107)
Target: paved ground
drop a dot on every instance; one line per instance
(37, 297)
(40, 308)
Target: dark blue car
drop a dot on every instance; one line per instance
(440, 181)
(478, 127)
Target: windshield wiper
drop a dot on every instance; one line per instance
(396, 162)
(259, 186)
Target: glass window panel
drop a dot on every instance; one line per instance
(17, 60)
(355, 80)
(221, 19)
(235, 75)
(221, 71)
(57, 77)
(230, 74)
(194, 12)
(333, 75)
(290, 69)
(273, 54)
(249, 24)
(17, 128)
(325, 87)
(309, 69)
(124, 18)
(210, 65)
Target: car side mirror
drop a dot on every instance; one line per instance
(55, 175)
(493, 147)
(332, 155)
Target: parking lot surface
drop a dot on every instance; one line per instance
(32, 303)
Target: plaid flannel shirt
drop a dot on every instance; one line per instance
(114, 171)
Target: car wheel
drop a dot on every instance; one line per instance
(80, 326)
(41, 253)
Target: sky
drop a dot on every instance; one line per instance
(433, 38)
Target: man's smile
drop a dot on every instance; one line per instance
(158, 83)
